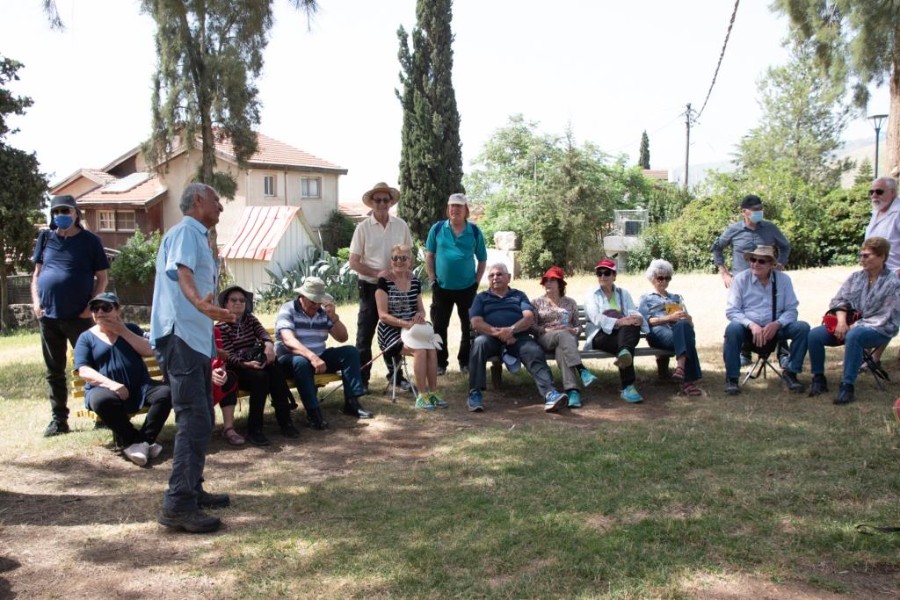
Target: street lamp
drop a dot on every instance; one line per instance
(877, 121)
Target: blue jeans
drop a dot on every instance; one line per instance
(680, 339)
(189, 375)
(857, 338)
(344, 359)
(736, 334)
(529, 352)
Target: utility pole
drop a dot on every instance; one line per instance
(687, 144)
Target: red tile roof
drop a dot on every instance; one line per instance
(271, 152)
(261, 228)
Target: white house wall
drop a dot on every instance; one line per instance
(251, 274)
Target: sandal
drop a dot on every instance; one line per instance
(689, 389)
(233, 437)
(678, 374)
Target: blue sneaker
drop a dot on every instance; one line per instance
(474, 401)
(623, 359)
(574, 398)
(629, 394)
(587, 378)
(554, 400)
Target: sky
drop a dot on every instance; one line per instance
(609, 70)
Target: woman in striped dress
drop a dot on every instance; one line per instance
(399, 301)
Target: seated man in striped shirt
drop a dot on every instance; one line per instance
(301, 329)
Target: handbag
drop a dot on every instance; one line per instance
(829, 319)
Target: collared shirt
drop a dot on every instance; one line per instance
(749, 301)
(878, 303)
(500, 311)
(743, 239)
(596, 303)
(373, 241)
(312, 331)
(887, 225)
(654, 305)
(186, 244)
(455, 255)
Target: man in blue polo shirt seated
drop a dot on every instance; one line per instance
(503, 317)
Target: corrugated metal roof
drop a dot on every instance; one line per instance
(261, 228)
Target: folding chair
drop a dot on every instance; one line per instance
(762, 363)
(874, 367)
(400, 366)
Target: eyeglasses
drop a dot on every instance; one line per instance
(399, 258)
(382, 200)
(664, 278)
(60, 211)
(876, 192)
(865, 255)
(604, 272)
(497, 274)
(762, 261)
(102, 307)
(238, 300)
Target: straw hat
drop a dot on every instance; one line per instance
(763, 252)
(381, 187)
(421, 336)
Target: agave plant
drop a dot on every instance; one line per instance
(339, 278)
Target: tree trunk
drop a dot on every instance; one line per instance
(892, 153)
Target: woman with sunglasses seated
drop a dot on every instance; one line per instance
(110, 358)
(874, 291)
(399, 302)
(614, 325)
(671, 327)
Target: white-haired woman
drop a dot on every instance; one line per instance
(671, 327)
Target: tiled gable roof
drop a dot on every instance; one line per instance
(271, 152)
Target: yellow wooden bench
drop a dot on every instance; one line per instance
(76, 386)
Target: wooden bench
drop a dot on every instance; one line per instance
(77, 384)
(662, 356)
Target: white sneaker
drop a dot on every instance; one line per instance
(137, 453)
(155, 450)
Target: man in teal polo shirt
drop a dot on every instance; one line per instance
(452, 249)
(181, 331)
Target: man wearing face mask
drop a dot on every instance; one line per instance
(745, 235)
(70, 268)
(885, 221)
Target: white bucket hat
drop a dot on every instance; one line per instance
(421, 337)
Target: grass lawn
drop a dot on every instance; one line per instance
(754, 496)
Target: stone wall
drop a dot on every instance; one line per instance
(22, 317)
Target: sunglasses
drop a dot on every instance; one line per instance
(864, 255)
(604, 272)
(399, 258)
(60, 211)
(381, 200)
(664, 278)
(763, 261)
(104, 307)
(876, 192)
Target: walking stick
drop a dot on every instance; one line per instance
(368, 364)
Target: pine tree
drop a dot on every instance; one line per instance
(644, 160)
(431, 151)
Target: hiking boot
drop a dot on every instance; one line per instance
(819, 385)
(631, 395)
(57, 428)
(207, 500)
(587, 378)
(474, 401)
(257, 438)
(195, 521)
(845, 394)
(353, 408)
(623, 359)
(789, 379)
(554, 400)
(423, 402)
(731, 387)
(437, 401)
(137, 453)
(574, 398)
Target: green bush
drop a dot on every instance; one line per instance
(339, 279)
(337, 232)
(136, 261)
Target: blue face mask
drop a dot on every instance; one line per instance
(63, 221)
(756, 216)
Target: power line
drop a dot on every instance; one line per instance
(721, 56)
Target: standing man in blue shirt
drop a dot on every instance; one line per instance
(745, 235)
(762, 306)
(70, 268)
(451, 251)
(181, 330)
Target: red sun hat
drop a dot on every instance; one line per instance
(606, 263)
(554, 273)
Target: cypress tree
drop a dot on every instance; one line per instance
(431, 151)
(644, 160)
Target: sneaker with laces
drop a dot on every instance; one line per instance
(155, 450)
(474, 401)
(630, 395)
(587, 378)
(194, 521)
(437, 401)
(574, 398)
(423, 402)
(623, 359)
(731, 387)
(137, 453)
(554, 400)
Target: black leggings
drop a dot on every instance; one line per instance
(111, 410)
